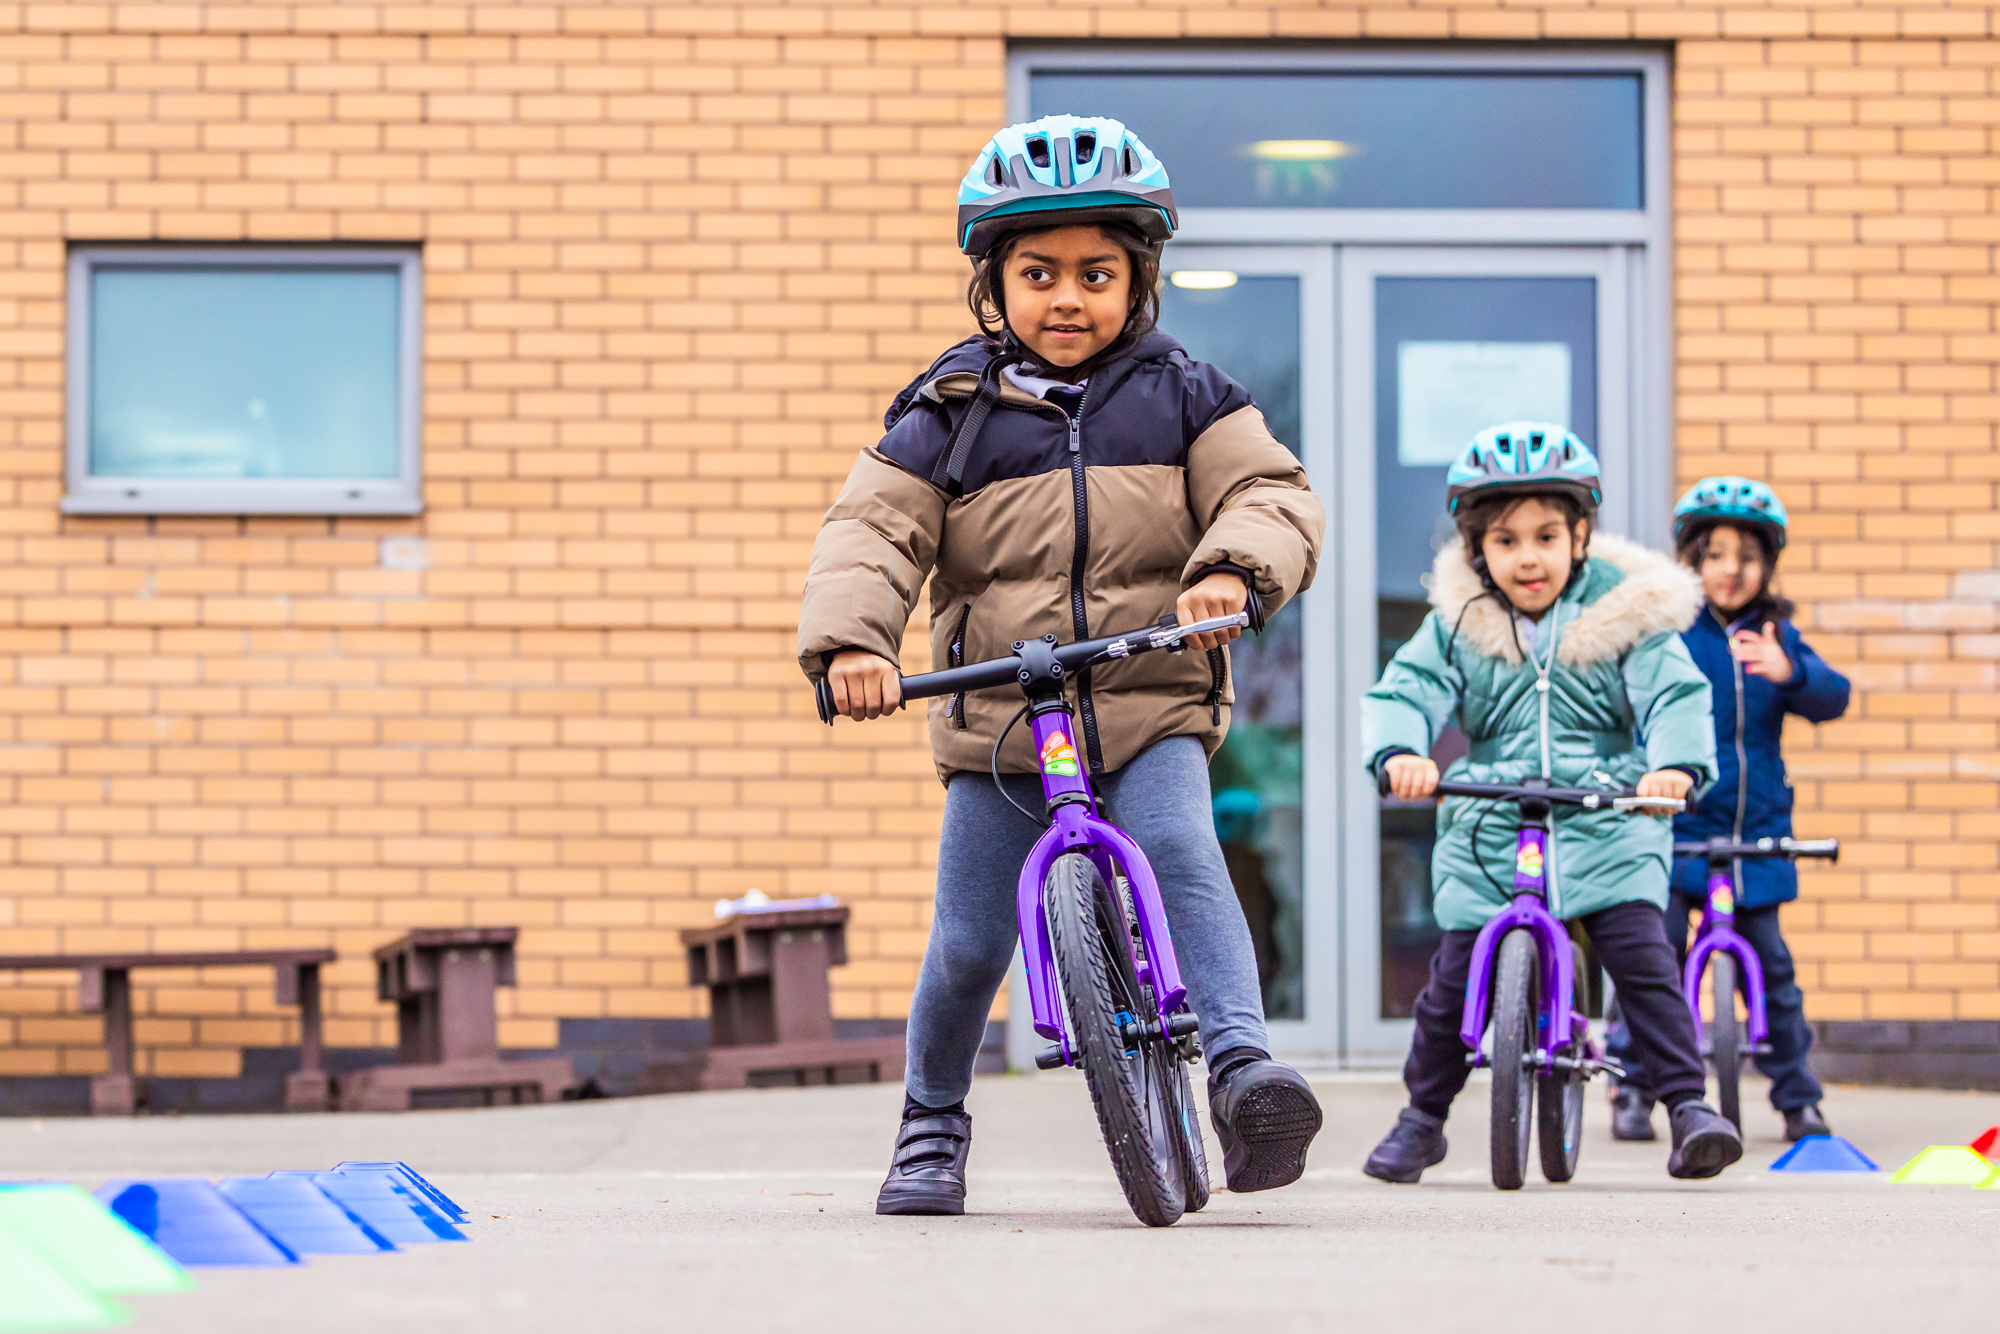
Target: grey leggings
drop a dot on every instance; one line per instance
(1161, 798)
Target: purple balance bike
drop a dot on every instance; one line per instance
(1103, 982)
(1730, 962)
(1524, 974)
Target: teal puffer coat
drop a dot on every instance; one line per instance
(1623, 699)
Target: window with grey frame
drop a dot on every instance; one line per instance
(244, 380)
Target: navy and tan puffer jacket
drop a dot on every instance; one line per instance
(1068, 523)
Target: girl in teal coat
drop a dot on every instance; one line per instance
(1557, 652)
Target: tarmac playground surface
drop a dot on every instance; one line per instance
(754, 1211)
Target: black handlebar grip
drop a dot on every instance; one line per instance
(823, 699)
(1382, 778)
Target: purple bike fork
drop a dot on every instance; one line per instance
(1527, 911)
(1718, 932)
(1075, 827)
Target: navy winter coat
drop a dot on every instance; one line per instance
(1752, 797)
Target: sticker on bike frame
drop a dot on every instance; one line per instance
(1528, 861)
(1059, 756)
(1724, 899)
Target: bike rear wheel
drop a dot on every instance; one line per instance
(1194, 1153)
(1559, 1105)
(1516, 984)
(1129, 1084)
(1726, 1037)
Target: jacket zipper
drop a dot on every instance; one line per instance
(1079, 619)
(1218, 677)
(954, 707)
(1542, 687)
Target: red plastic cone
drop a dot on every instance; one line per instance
(1983, 1144)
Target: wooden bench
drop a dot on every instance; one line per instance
(442, 980)
(104, 983)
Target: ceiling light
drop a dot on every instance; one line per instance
(1300, 150)
(1202, 280)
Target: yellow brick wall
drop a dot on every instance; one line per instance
(676, 257)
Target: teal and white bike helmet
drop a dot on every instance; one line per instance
(1070, 169)
(1730, 500)
(1524, 456)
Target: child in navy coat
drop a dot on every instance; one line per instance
(1729, 530)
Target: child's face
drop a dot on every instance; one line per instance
(1530, 550)
(1067, 293)
(1732, 569)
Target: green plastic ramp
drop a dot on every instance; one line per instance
(1946, 1165)
(39, 1296)
(88, 1241)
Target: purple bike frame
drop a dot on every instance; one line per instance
(1528, 910)
(1718, 932)
(1074, 827)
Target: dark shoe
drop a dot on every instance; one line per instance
(1631, 1113)
(1265, 1114)
(1704, 1142)
(927, 1172)
(1801, 1122)
(1416, 1142)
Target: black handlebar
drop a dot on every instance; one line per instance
(1592, 799)
(1720, 850)
(1068, 660)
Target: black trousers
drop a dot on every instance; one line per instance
(1631, 943)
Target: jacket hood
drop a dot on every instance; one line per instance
(1629, 594)
(956, 373)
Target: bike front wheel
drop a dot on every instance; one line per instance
(1725, 1037)
(1128, 1080)
(1559, 1105)
(1516, 988)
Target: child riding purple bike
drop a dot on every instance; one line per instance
(1068, 472)
(1730, 531)
(1556, 650)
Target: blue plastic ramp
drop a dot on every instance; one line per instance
(384, 1203)
(192, 1221)
(303, 1217)
(410, 1177)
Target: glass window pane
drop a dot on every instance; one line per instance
(1452, 351)
(1249, 326)
(1401, 139)
(233, 372)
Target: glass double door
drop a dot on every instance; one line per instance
(1375, 365)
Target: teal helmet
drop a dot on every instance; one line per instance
(1730, 500)
(1060, 170)
(1524, 456)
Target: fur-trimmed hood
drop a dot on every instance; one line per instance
(1629, 595)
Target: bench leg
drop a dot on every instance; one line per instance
(114, 1093)
(310, 1090)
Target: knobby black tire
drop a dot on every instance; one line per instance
(1726, 1037)
(1129, 1090)
(1516, 984)
(1559, 1106)
(1194, 1153)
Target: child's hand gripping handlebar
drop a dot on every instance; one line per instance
(1591, 799)
(1029, 656)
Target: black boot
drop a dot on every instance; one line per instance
(1704, 1142)
(1414, 1143)
(1631, 1113)
(1801, 1122)
(927, 1171)
(1265, 1114)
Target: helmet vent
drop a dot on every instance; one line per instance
(1038, 151)
(1086, 148)
(1131, 161)
(994, 174)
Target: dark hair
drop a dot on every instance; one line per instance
(1693, 549)
(1476, 518)
(986, 294)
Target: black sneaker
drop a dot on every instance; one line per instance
(1631, 1113)
(1265, 1114)
(1802, 1122)
(1415, 1142)
(927, 1171)
(1704, 1142)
